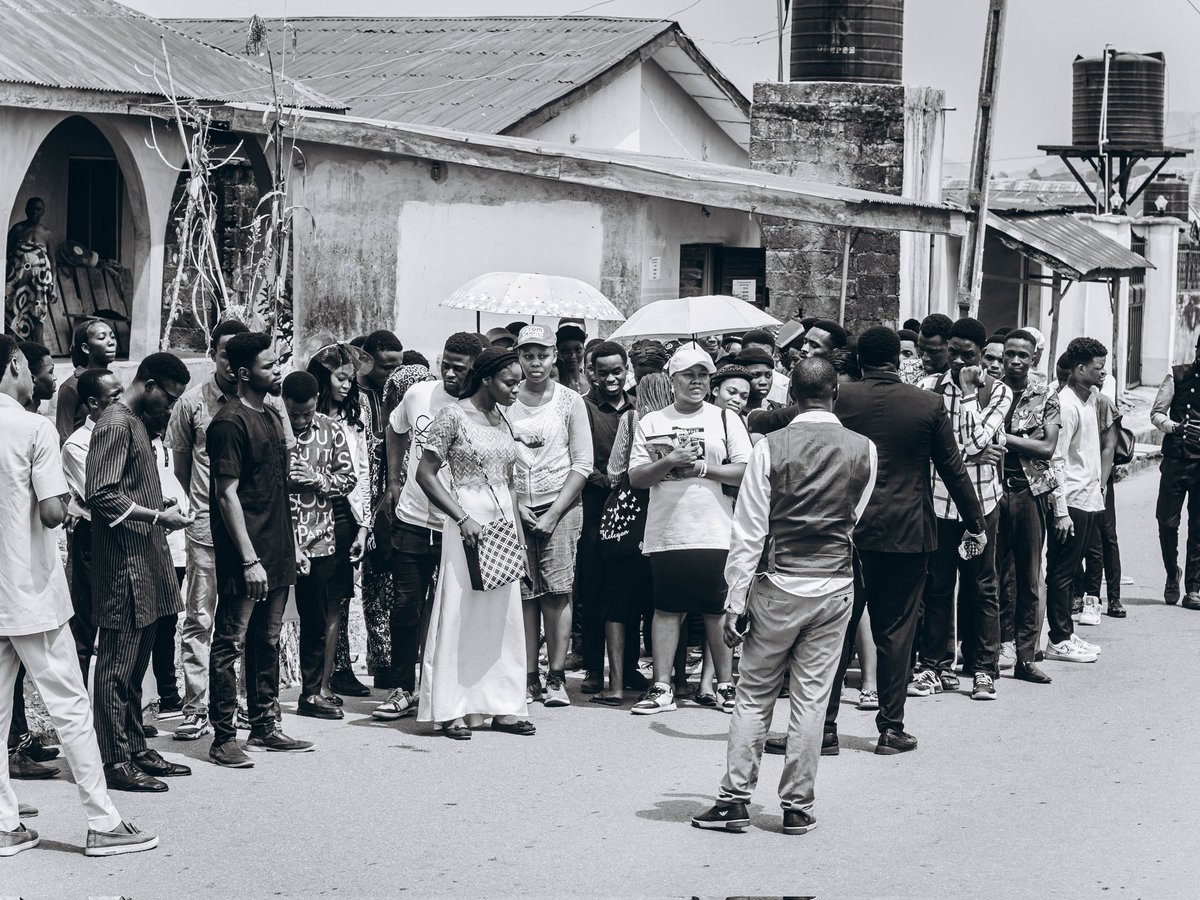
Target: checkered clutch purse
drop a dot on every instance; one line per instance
(497, 559)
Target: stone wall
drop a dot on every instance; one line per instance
(833, 133)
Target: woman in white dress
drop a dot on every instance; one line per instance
(474, 662)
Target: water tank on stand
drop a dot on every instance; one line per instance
(1136, 90)
(848, 40)
(1167, 195)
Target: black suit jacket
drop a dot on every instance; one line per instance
(910, 429)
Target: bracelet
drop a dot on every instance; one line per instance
(250, 562)
(157, 513)
(459, 522)
(703, 468)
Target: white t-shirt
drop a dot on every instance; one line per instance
(415, 413)
(171, 488)
(689, 513)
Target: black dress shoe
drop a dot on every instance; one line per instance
(128, 777)
(829, 747)
(776, 746)
(891, 741)
(636, 681)
(149, 730)
(1171, 590)
(318, 707)
(152, 763)
(1115, 609)
(21, 766)
(1032, 673)
(347, 685)
(36, 750)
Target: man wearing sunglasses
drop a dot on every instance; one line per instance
(977, 405)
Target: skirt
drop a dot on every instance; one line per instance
(474, 661)
(689, 581)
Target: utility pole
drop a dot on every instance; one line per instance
(970, 263)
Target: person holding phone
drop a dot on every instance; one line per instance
(805, 488)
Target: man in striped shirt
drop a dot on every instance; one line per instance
(977, 406)
(133, 578)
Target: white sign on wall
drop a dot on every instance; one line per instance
(745, 289)
(655, 268)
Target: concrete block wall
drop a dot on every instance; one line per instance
(833, 133)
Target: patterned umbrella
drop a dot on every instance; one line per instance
(695, 317)
(531, 294)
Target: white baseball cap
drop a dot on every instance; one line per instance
(536, 334)
(687, 356)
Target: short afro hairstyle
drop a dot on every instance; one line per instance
(812, 378)
(414, 358)
(382, 341)
(1020, 334)
(300, 387)
(464, 343)
(968, 329)
(243, 348)
(1082, 350)
(34, 354)
(912, 325)
(753, 356)
(878, 346)
(759, 336)
(936, 325)
(225, 327)
(997, 338)
(89, 385)
(835, 331)
(160, 367)
(608, 348)
(908, 334)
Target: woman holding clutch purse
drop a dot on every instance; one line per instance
(474, 662)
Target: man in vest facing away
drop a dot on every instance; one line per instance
(805, 487)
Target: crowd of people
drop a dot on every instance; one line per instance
(758, 512)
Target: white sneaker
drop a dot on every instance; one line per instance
(1068, 651)
(1008, 656)
(1091, 611)
(660, 698)
(1084, 645)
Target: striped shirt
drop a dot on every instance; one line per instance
(975, 430)
(132, 576)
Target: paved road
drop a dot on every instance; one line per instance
(1083, 788)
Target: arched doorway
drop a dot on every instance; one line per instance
(87, 233)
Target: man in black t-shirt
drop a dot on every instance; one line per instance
(256, 556)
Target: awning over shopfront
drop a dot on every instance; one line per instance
(1068, 246)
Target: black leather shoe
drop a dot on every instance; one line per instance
(1171, 591)
(347, 685)
(593, 682)
(797, 821)
(895, 742)
(723, 817)
(36, 750)
(1032, 673)
(830, 745)
(149, 730)
(1116, 609)
(636, 681)
(21, 766)
(128, 777)
(318, 707)
(152, 763)
(775, 746)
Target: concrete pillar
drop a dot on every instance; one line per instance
(853, 135)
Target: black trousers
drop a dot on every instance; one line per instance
(315, 603)
(122, 658)
(1179, 480)
(1063, 561)
(82, 629)
(978, 600)
(1102, 558)
(249, 627)
(890, 586)
(162, 660)
(589, 582)
(18, 726)
(416, 553)
(1020, 538)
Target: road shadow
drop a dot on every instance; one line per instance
(681, 809)
(667, 731)
(60, 847)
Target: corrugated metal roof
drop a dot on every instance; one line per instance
(100, 45)
(1067, 245)
(476, 74)
(1024, 195)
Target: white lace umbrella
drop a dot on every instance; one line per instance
(694, 317)
(532, 294)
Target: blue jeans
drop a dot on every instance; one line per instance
(242, 625)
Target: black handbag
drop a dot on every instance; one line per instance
(1126, 443)
(623, 519)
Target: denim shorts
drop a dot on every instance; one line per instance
(552, 559)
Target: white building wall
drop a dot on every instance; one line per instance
(609, 117)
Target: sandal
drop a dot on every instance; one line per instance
(457, 732)
(606, 700)
(708, 700)
(521, 727)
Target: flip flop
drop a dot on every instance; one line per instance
(457, 732)
(607, 701)
(521, 727)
